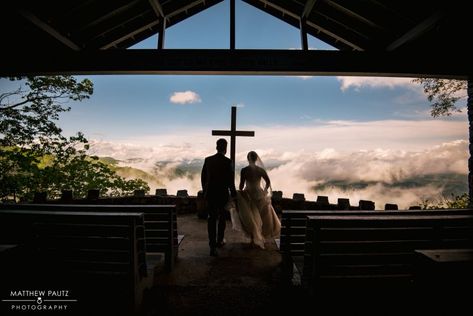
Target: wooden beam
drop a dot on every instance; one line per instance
(309, 6)
(453, 65)
(416, 31)
(158, 11)
(110, 14)
(157, 8)
(128, 35)
(48, 29)
(318, 28)
(185, 8)
(237, 133)
(232, 24)
(303, 29)
(335, 36)
(162, 33)
(353, 14)
(279, 8)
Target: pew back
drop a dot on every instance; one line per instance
(376, 252)
(160, 223)
(293, 224)
(100, 256)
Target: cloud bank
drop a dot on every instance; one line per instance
(405, 177)
(376, 82)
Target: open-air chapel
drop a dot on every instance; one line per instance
(148, 254)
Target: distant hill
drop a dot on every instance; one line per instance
(450, 183)
(109, 161)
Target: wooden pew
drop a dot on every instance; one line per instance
(160, 223)
(293, 230)
(376, 253)
(99, 257)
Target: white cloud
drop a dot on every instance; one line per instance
(353, 135)
(380, 169)
(384, 165)
(376, 82)
(300, 168)
(380, 152)
(185, 97)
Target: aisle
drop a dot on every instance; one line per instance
(240, 281)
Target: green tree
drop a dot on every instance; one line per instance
(35, 156)
(443, 95)
(455, 201)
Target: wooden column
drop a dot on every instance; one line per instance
(303, 28)
(162, 31)
(232, 24)
(470, 145)
(233, 138)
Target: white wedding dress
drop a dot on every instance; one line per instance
(253, 214)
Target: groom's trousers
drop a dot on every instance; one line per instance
(216, 214)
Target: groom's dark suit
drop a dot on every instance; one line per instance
(217, 183)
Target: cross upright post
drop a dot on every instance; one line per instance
(233, 133)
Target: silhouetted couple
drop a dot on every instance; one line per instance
(251, 207)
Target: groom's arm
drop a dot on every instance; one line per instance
(231, 180)
(203, 178)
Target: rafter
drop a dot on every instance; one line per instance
(353, 14)
(416, 31)
(110, 14)
(309, 6)
(49, 29)
(158, 9)
(185, 8)
(335, 36)
(131, 34)
(279, 8)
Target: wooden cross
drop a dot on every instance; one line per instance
(233, 133)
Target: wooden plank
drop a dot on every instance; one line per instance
(357, 248)
(241, 61)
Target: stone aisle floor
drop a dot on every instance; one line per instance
(240, 281)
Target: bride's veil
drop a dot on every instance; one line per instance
(260, 164)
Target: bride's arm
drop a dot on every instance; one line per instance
(266, 180)
(242, 180)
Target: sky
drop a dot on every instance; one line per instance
(311, 131)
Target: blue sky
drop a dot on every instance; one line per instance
(143, 102)
(354, 128)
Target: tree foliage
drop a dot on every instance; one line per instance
(453, 202)
(36, 157)
(443, 94)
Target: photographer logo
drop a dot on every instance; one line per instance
(39, 300)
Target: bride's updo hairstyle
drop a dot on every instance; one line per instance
(252, 156)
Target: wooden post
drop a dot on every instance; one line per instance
(66, 196)
(93, 194)
(232, 24)
(303, 28)
(162, 31)
(470, 146)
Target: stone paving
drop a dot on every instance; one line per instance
(241, 281)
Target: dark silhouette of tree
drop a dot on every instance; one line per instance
(35, 156)
(443, 95)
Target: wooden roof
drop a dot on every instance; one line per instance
(417, 27)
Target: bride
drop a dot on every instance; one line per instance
(256, 216)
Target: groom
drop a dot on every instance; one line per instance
(217, 183)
